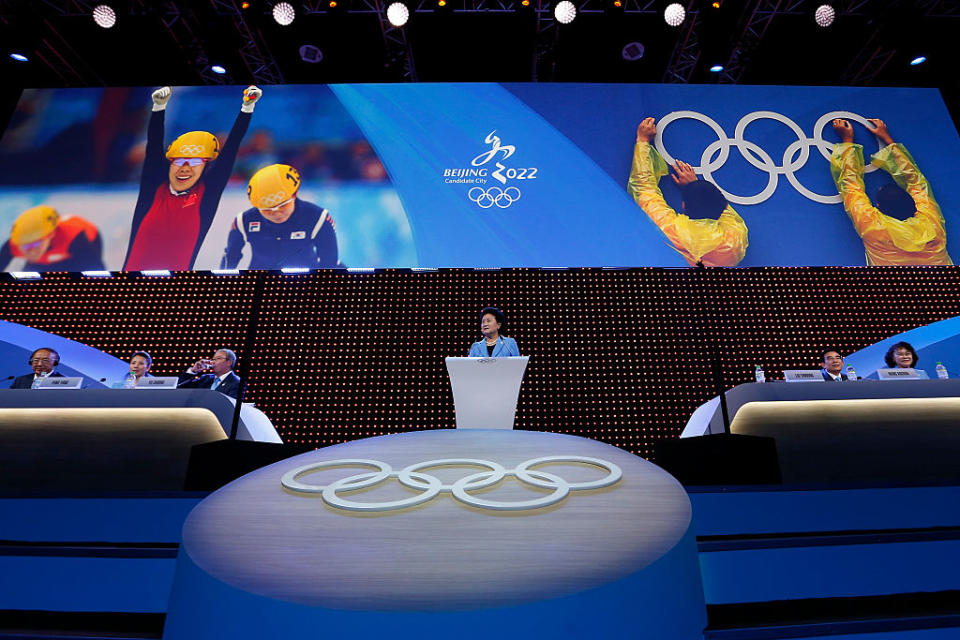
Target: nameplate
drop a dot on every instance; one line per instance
(899, 374)
(803, 375)
(157, 383)
(60, 383)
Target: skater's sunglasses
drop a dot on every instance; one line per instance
(31, 245)
(193, 162)
(276, 208)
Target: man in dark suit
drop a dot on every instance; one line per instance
(44, 362)
(220, 377)
(832, 366)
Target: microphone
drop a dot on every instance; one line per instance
(10, 377)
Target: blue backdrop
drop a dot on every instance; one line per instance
(494, 175)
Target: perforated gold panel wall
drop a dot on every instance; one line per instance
(623, 356)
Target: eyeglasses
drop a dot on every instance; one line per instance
(276, 208)
(39, 360)
(31, 245)
(193, 162)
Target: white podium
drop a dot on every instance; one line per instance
(485, 390)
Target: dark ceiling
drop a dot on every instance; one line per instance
(759, 41)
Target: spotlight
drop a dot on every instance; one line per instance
(398, 14)
(632, 51)
(565, 12)
(244, 5)
(717, 68)
(674, 14)
(284, 13)
(225, 272)
(918, 60)
(26, 275)
(218, 69)
(19, 57)
(441, 3)
(104, 16)
(525, 3)
(311, 54)
(295, 270)
(332, 4)
(155, 273)
(97, 274)
(715, 4)
(824, 15)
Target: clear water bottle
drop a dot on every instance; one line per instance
(851, 373)
(942, 371)
(760, 375)
(130, 381)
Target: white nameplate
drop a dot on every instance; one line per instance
(60, 382)
(803, 375)
(899, 374)
(157, 383)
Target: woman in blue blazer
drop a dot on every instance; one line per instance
(493, 344)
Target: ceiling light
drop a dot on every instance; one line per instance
(104, 16)
(284, 13)
(565, 12)
(398, 14)
(824, 15)
(674, 14)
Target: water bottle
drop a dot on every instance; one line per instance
(851, 373)
(942, 371)
(36, 382)
(759, 374)
(130, 381)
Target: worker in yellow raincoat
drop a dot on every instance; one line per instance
(709, 231)
(906, 227)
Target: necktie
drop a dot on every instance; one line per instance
(216, 383)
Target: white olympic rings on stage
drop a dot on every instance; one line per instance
(503, 198)
(431, 486)
(794, 156)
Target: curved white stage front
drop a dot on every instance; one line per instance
(479, 533)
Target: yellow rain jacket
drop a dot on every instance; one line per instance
(716, 243)
(921, 239)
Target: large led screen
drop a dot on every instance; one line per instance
(477, 175)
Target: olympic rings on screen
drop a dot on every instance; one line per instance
(189, 150)
(503, 198)
(414, 478)
(795, 155)
(274, 198)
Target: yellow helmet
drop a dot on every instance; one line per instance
(273, 185)
(194, 144)
(34, 224)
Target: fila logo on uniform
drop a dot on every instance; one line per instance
(254, 226)
(298, 235)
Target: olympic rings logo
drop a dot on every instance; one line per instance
(272, 199)
(413, 477)
(192, 150)
(503, 198)
(794, 156)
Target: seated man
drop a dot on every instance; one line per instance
(50, 242)
(220, 377)
(906, 226)
(709, 232)
(44, 362)
(832, 370)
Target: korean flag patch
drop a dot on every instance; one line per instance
(298, 235)
(254, 226)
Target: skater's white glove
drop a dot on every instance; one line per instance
(160, 98)
(250, 96)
